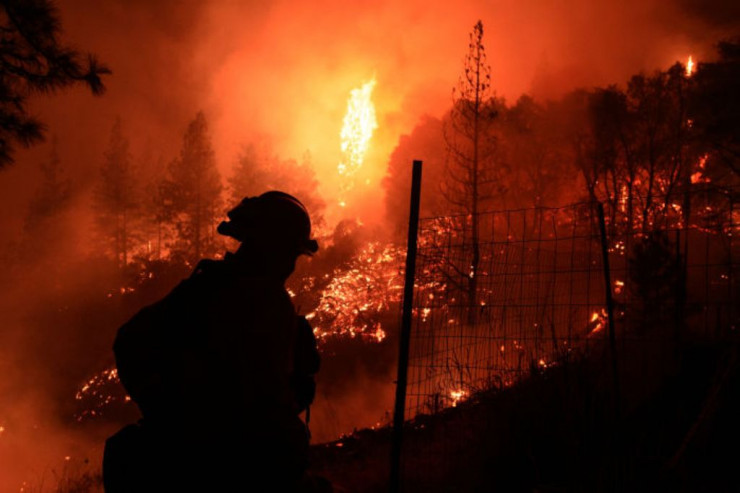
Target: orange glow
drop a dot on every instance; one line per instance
(690, 67)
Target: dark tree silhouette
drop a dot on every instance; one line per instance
(118, 196)
(424, 142)
(193, 192)
(33, 60)
(715, 104)
(534, 158)
(258, 171)
(641, 154)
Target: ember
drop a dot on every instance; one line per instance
(457, 396)
(598, 321)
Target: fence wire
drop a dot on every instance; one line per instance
(530, 294)
(536, 295)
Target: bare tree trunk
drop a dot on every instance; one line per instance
(197, 225)
(473, 283)
(124, 240)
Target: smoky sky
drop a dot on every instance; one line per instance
(280, 72)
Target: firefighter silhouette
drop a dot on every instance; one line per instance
(221, 367)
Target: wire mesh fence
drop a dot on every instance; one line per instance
(535, 294)
(530, 294)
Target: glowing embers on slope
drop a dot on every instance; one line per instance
(99, 392)
(357, 130)
(357, 296)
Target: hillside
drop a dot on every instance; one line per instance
(557, 432)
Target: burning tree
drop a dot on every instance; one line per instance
(117, 196)
(470, 145)
(641, 155)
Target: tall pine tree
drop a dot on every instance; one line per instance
(470, 179)
(193, 190)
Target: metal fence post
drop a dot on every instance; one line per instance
(405, 337)
(609, 309)
(612, 349)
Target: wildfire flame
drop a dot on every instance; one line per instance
(698, 176)
(598, 321)
(359, 125)
(457, 395)
(689, 67)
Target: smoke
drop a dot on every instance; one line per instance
(279, 73)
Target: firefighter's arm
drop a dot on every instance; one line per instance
(306, 364)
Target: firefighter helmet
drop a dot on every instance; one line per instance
(273, 218)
